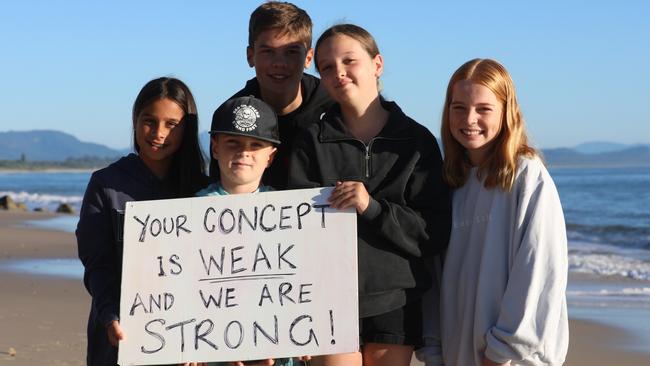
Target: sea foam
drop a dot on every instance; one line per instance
(46, 201)
(609, 260)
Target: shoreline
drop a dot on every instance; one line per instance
(44, 318)
(50, 170)
(596, 166)
(549, 165)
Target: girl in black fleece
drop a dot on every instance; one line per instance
(168, 164)
(389, 168)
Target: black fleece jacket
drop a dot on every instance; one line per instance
(409, 214)
(100, 246)
(315, 102)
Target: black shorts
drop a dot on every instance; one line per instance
(402, 326)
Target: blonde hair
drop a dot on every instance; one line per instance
(500, 167)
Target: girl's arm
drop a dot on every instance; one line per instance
(420, 227)
(97, 251)
(533, 317)
(115, 333)
(431, 351)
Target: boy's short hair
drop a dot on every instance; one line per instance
(288, 17)
(246, 116)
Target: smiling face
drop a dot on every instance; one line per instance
(475, 116)
(279, 60)
(242, 161)
(348, 72)
(159, 134)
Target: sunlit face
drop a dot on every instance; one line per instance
(348, 72)
(159, 133)
(242, 161)
(475, 116)
(279, 60)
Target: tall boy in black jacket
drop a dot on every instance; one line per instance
(279, 48)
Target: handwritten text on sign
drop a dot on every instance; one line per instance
(238, 277)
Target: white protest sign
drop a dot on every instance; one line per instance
(240, 277)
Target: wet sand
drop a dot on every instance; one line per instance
(42, 319)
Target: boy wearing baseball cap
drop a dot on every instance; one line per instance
(244, 140)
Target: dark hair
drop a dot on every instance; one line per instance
(353, 31)
(187, 171)
(280, 15)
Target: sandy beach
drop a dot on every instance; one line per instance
(43, 318)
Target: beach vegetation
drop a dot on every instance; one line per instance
(83, 162)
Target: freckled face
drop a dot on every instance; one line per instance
(159, 133)
(348, 72)
(475, 116)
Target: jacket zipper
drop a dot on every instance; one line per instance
(368, 149)
(368, 158)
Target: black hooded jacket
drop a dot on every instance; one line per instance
(409, 215)
(99, 242)
(315, 102)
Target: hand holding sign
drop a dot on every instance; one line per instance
(115, 333)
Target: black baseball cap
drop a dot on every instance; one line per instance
(246, 116)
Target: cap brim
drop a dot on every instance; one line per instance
(276, 142)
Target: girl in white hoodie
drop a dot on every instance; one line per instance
(502, 295)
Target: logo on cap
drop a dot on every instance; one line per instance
(246, 117)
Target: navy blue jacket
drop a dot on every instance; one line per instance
(409, 215)
(99, 241)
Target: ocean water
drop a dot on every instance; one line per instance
(57, 267)
(607, 212)
(608, 206)
(45, 189)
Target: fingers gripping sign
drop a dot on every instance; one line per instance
(350, 194)
(115, 333)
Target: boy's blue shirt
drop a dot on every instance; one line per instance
(215, 189)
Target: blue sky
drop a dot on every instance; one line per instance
(581, 68)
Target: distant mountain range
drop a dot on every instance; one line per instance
(637, 155)
(597, 147)
(49, 145)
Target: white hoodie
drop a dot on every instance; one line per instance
(504, 278)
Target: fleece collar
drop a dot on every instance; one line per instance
(332, 127)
